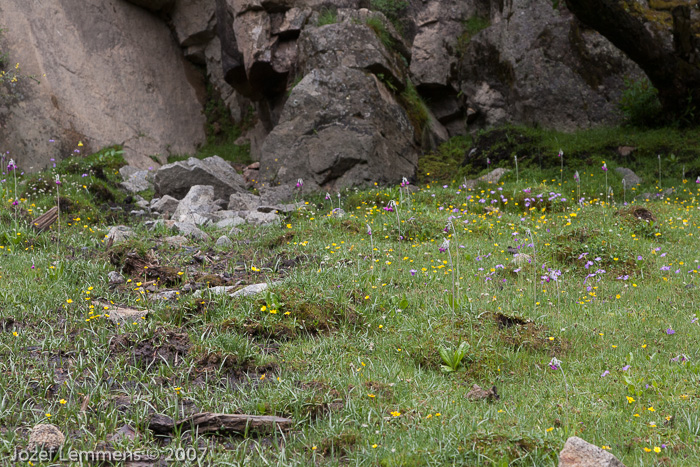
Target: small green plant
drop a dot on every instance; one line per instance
(272, 302)
(297, 80)
(327, 16)
(453, 359)
(470, 27)
(380, 29)
(415, 108)
(392, 9)
(640, 103)
(387, 82)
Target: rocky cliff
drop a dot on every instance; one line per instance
(345, 92)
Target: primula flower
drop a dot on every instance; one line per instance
(300, 183)
(555, 363)
(576, 177)
(670, 331)
(605, 167)
(561, 153)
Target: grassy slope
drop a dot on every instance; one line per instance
(355, 361)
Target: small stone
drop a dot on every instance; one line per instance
(137, 182)
(261, 218)
(625, 151)
(45, 437)
(119, 234)
(115, 278)
(125, 432)
(176, 240)
(243, 202)
(251, 290)
(166, 295)
(631, 179)
(477, 393)
(190, 230)
(166, 204)
(224, 242)
(161, 424)
(579, 453)
(218, 290)
(122, 315)
(230, 222)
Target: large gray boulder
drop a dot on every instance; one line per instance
(177, 178)
(194, 207)
(137, 181)
(194, 22)
(340, 127)
(353, 45)
(107, 73)
(629, 177)
(536, 64)
(243, 202)
(579, 453)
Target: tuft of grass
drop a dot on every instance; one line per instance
(416, 109)
(470, 27)
(380, 29)
(392, 9)
(327, 16)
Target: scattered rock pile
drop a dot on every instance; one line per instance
(195, 193)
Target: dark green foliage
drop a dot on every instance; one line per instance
(640, 103)
(415, 108)
(392, 9)
(443, 163)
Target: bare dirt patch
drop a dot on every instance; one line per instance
(637, 212)
(163, 346)
(517, 333)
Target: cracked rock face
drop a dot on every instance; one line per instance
(340, 127)
(177, 178)
(113, 75)
(536, 65)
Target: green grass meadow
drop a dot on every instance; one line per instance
(591, 330)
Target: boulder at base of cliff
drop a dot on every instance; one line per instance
(340, 127)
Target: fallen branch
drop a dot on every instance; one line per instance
(208, 422)
(45, 221)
